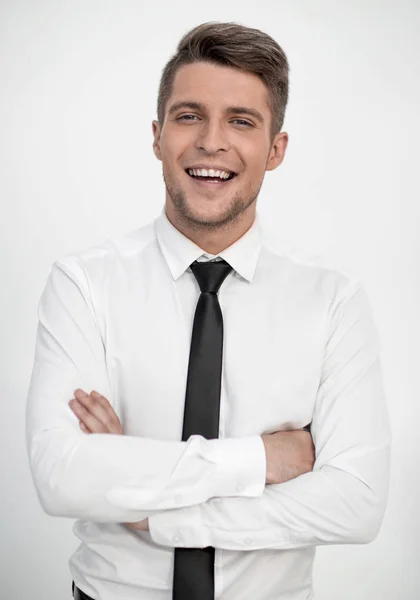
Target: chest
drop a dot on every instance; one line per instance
(273, 348)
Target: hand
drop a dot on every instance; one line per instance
(138, 525)
(96, 415)
(288, 454)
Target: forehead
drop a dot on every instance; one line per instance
(213, 85)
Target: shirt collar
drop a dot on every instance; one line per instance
(179, 251)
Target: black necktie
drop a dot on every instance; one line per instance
(194, 567)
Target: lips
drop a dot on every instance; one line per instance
(211, 168)
(210, 183)
(230, 174)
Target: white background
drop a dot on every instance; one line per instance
(78, 86)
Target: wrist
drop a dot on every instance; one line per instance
(268, 474)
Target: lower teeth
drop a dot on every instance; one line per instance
(218, 179)
(211, 179)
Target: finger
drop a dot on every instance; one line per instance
(105, 403)
(116, 427)
(87, 417)
(99, 408)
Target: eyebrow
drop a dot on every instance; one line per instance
(243, 110)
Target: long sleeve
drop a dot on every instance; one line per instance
(109, 477)
(343, 499)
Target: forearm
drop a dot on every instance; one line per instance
(102, 477)
(326, 506)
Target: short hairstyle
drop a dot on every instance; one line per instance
(237, 46)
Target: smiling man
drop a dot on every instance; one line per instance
(216, 144)
(236, 417)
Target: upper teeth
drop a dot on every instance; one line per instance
(209, 173)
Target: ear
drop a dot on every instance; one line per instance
(156, 139)
(278, 150)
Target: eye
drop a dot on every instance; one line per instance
(243, 122)
(190, 117)
(185, 117)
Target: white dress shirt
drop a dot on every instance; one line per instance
(300, 346)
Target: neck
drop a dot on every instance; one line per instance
(208, 236)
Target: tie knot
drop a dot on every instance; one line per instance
(210, 274)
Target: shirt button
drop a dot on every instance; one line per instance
(175, 537)
(239, 488)
(248, 541)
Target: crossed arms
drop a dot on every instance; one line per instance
(212, 492)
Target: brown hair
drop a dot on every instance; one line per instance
(237, 46)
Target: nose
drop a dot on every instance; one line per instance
(212, 137)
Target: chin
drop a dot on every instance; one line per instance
(210, 206)
(206, 210)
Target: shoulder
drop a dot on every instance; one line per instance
(98, 261)
(309, 273)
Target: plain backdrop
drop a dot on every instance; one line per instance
(78, 90)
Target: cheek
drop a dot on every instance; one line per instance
(172, 157)
(256, 167)
(176, 144)
(254, 154)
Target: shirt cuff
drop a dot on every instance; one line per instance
(242, 466)
(179, 528)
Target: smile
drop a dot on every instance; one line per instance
(209, 180)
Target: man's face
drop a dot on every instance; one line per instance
(213, 129)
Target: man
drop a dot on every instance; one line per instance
(188, 481)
